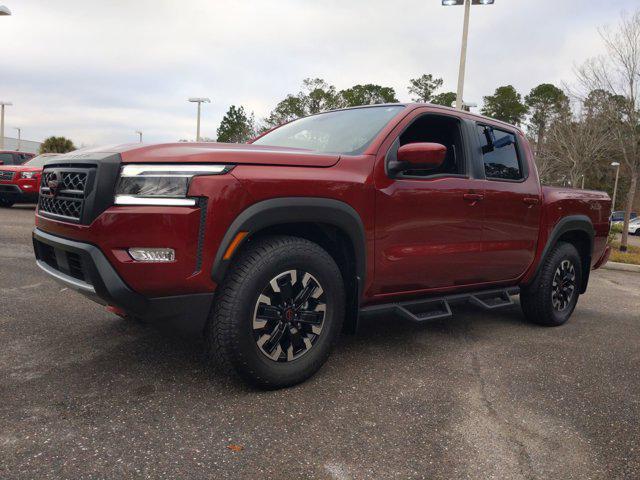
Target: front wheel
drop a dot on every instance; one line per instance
(278, 312)
(553, 295)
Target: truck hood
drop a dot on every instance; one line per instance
(184, 152)
(19, 168)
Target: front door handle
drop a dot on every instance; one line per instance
(473, 197)
(531, 200)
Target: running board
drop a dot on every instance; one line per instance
(438, 308)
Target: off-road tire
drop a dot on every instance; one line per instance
(537, 299)
(230, 332)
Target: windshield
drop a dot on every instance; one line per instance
(343, 131)
(39, 160)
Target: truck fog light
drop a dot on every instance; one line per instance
(152, 254)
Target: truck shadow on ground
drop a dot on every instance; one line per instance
(165, 355)
(25, 206)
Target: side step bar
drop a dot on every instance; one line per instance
(437, 308)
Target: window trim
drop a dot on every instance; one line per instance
(464, 143)
(520, 155)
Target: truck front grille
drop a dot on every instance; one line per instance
(63, 193)
(6, 175)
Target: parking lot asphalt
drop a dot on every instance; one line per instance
(85, 394)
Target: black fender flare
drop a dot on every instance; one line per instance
(277, 211)
(571, 223)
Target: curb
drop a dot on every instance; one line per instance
(623, 267)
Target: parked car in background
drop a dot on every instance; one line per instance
(634, 226)
(617, 217)
(12, 157)
(19, 183)
(271, 249)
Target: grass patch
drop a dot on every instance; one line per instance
(632, 255)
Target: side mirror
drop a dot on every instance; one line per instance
(418, 156)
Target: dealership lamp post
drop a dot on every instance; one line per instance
(2, 105)
(199, 101)
(19, 137)
(139, 135)
(615, 185)
(465, 35)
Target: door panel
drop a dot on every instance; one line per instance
(428, 235)
(512, 221)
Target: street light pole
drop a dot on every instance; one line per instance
(463, 55)
(139, 134)
(465, 36)
(615, 186)
(2, 105)
(19, 137)
(199, 101)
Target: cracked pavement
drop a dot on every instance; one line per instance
(85, 394)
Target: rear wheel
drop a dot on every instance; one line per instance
(278, 312)
(6, 203)
(553, 295)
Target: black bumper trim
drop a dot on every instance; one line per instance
(186, 312)
(14, 193)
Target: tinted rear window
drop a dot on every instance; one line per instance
(499, 154)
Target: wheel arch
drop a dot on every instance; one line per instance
(332, 224)
(577, 230)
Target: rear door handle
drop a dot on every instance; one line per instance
(473, 197)
(531, 200)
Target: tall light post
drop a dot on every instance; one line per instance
(615, 185)
(465, 35)
(139, 134)
(199, 101)
(19, 137)
(2, 105)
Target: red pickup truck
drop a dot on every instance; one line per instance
(271, 249)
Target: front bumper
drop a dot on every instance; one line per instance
(84, 268)
(14, 193)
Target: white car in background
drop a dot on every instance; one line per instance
(634, 226)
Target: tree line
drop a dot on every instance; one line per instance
(576, 131)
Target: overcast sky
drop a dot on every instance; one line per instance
(97, 70)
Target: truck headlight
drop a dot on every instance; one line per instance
(27, 174)
(160, 184)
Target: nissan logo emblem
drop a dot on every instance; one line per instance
(53, 183)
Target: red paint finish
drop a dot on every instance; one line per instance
(511, 224)
(123, 227)
(423, 235)
(422, 154)
(28, 186)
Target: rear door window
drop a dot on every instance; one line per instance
(499, 154)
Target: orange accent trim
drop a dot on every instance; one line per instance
(234, 244)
